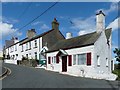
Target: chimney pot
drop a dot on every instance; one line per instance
(68, 35)
(55, 24)
(31, 33)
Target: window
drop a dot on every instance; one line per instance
(88, 59)
(98, 60)
(74, 59)
(49, 60)
(15, 47)
(27, 56)
(81, 59)
(29, 45)
(69, 60)
(22, 48)
(35, 43)
(106, 62)
(26, 46)
(35, 55)
(54, 59)
(13, 57)
(16, 56)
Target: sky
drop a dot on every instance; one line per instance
(81, 14)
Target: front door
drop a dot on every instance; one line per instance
(64, 63)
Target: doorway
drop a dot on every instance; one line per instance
(64, 63)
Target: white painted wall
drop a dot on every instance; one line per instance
(102, 50)
(1, 54)
(99, 48)
(74, 68)
(10, 61)
(31, 52)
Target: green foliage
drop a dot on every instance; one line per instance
(34, 62)
(117, 52)
(24, 58)
(117, 72)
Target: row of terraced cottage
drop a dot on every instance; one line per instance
(87, 55)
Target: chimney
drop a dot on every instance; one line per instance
(31, 33)
(14, 39)
(55, 24)
(68, 35)
(100, 22)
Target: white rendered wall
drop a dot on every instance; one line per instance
(73, 68)
(102, 50)
(31, 52)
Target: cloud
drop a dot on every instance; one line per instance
(37, 22)
(19, 33)
(44, 27)
(84, 25)
(113, 7)
(114, 25)
(114, 0)
(7, 29)
(88, 25)
(8, 20)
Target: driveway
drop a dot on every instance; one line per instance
(26, 77)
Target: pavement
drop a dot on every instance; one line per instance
(26, 77)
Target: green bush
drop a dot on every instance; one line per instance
(117, 72)
(35, 62)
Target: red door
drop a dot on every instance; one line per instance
(64, 63)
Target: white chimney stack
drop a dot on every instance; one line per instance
(100, 22)
(68, 35)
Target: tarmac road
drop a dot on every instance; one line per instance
(26, 77)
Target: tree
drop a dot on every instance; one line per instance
(117, 52)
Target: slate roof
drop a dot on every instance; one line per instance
(8, 43)
(51, 36)
(35, 37)
(79, 41)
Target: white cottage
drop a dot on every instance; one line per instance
(33, 46)
(87, 55)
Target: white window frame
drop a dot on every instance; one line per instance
(26, 46)
(35, 42)
(75, 59)
(98, 60)
(16, 47)
(30, 45)
(106, 62)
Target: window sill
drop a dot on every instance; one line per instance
(35, 47)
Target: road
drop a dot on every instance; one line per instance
(26, 77)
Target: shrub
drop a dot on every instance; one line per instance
(35, 62)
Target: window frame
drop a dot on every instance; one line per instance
(81, 60)
(35, 43)
(75, 59)
(98, 60)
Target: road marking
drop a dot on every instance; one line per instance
(8, 73)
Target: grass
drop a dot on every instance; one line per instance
(117, 72)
